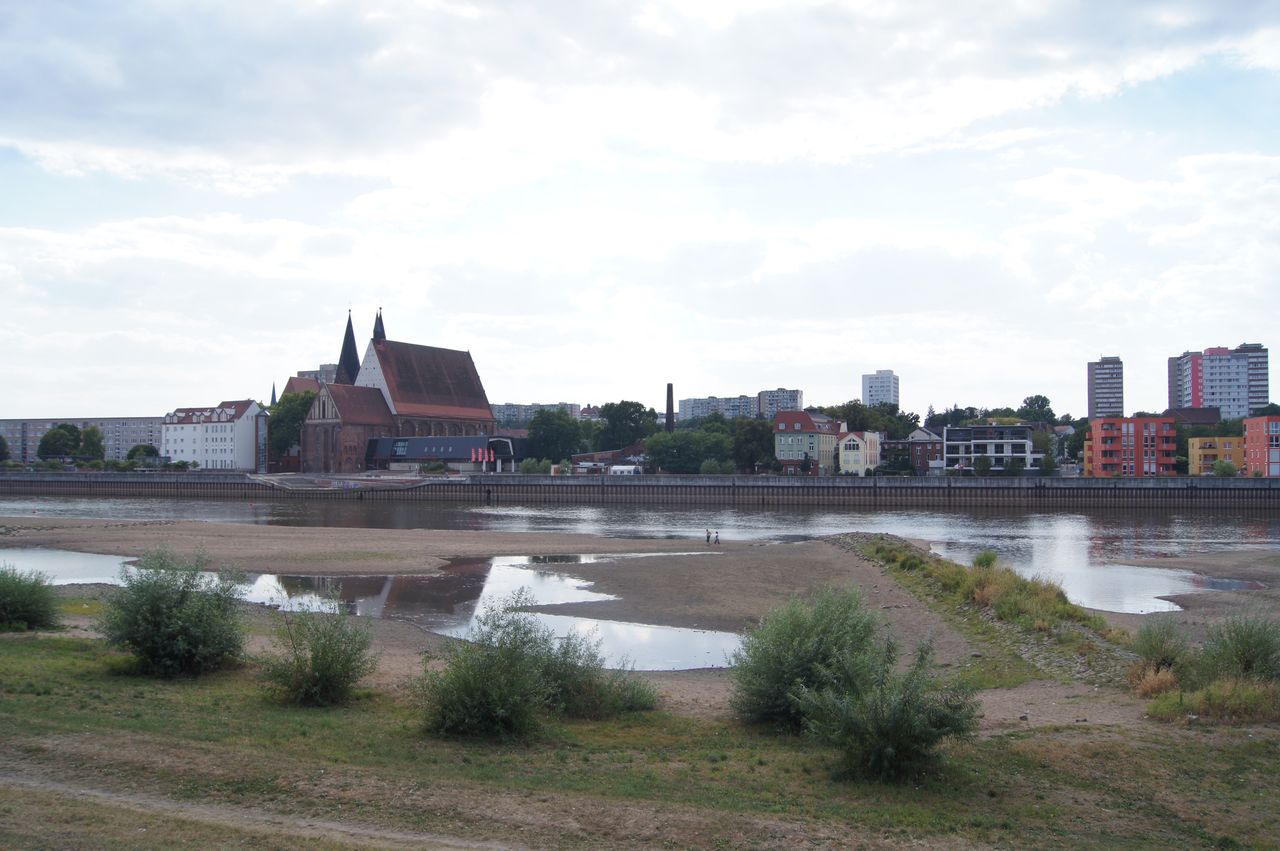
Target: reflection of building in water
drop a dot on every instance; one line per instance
(453, 592)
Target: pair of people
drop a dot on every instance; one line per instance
(717, 542)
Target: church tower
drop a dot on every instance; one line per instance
(379, 333)
(349, 360)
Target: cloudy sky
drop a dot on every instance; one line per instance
(598, 198)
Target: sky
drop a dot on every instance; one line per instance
(595, 199)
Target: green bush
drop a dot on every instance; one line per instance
(512, 671)
(985, 559)
(324, 656)
(886, 725)
(1242, 647)
(173, 618)
(791, 648)
(1160, 645)
(27, 601)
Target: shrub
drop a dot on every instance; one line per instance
(324, 656)
(1243, 647)
(173, 618)
(986, 558)
(791, 648)
(886, 725)
(512, 670)
(1160, 644)
(1149, 682)
(27, 601)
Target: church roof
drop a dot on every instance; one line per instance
(425, 381)
(298, 384)
(349, 360)
(360, 405)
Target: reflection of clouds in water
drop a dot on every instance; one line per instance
(269, 590)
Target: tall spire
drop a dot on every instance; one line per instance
(273, 394)
(379, 333)
(349, 360)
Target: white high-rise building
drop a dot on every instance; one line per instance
(880, 386)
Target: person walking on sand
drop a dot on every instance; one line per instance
(717, 537)
(708, 537)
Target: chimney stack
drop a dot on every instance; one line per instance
(671, 409)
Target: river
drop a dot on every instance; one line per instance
(1090, 554)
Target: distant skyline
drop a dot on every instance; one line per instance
(595, 200)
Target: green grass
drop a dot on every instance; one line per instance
(217, 739)
(971, 598)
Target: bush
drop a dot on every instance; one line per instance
(791, 648)
(173, 618)
(1160, 645)
(985, 559)
(1242, 647)
(886, 725)
(325, 655)
(1149, 682)
(27, 601)
(512, 670)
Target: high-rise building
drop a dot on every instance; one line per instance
(1106, 387)
(879, 386)
(1235, 381)
(773, 401)
(119, 434)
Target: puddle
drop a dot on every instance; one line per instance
(445, 603)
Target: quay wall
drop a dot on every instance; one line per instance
(745, 491)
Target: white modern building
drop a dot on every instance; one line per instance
(1106, 387)
(858, 451)
(772, 402)
(230, 436)
(728, 407)
(1235, 381)
(119, 434)
(511, 413)
(1000, 444)
(879, 387)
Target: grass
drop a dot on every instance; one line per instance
(216, 740)
(1228, 700)
(976, 599)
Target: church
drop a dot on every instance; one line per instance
(396, 390)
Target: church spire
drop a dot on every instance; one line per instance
(379, 333)
(273, 394)
(349, 360)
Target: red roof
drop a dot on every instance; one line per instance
(360, 405)
(298, 384)
(425, 381)
(231, 410)
(788, 420)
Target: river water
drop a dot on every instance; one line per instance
(1090, 554)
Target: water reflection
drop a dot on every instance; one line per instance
(449, 602)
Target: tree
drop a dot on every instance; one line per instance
(554, 434)
(4, 449)
(1037, 409)
(753, 447)
(982, 466)
(142, 450)
(1014, 467)
(284, 425)
(91, 445)
(1048, 466)
(1269, 410)
(1223, 467)
(61, 441)
(626, 423)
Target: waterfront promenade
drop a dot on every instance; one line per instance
(747, 491)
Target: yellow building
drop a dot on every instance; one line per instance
(1202, 452)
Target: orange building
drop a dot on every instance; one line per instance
(1130, 446)
(1262, 446)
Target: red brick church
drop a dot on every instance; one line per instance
(397, 390)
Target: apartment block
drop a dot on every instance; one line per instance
(1236, 381)
(1106, 388)
(119, 434)
(805, 443)
(1001, 444)
(1262, 446)
(1130, 446)
(728, 407)
(1204, 452)
(773, 401)
(879, 387)
(512, 414)
(229, 436)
